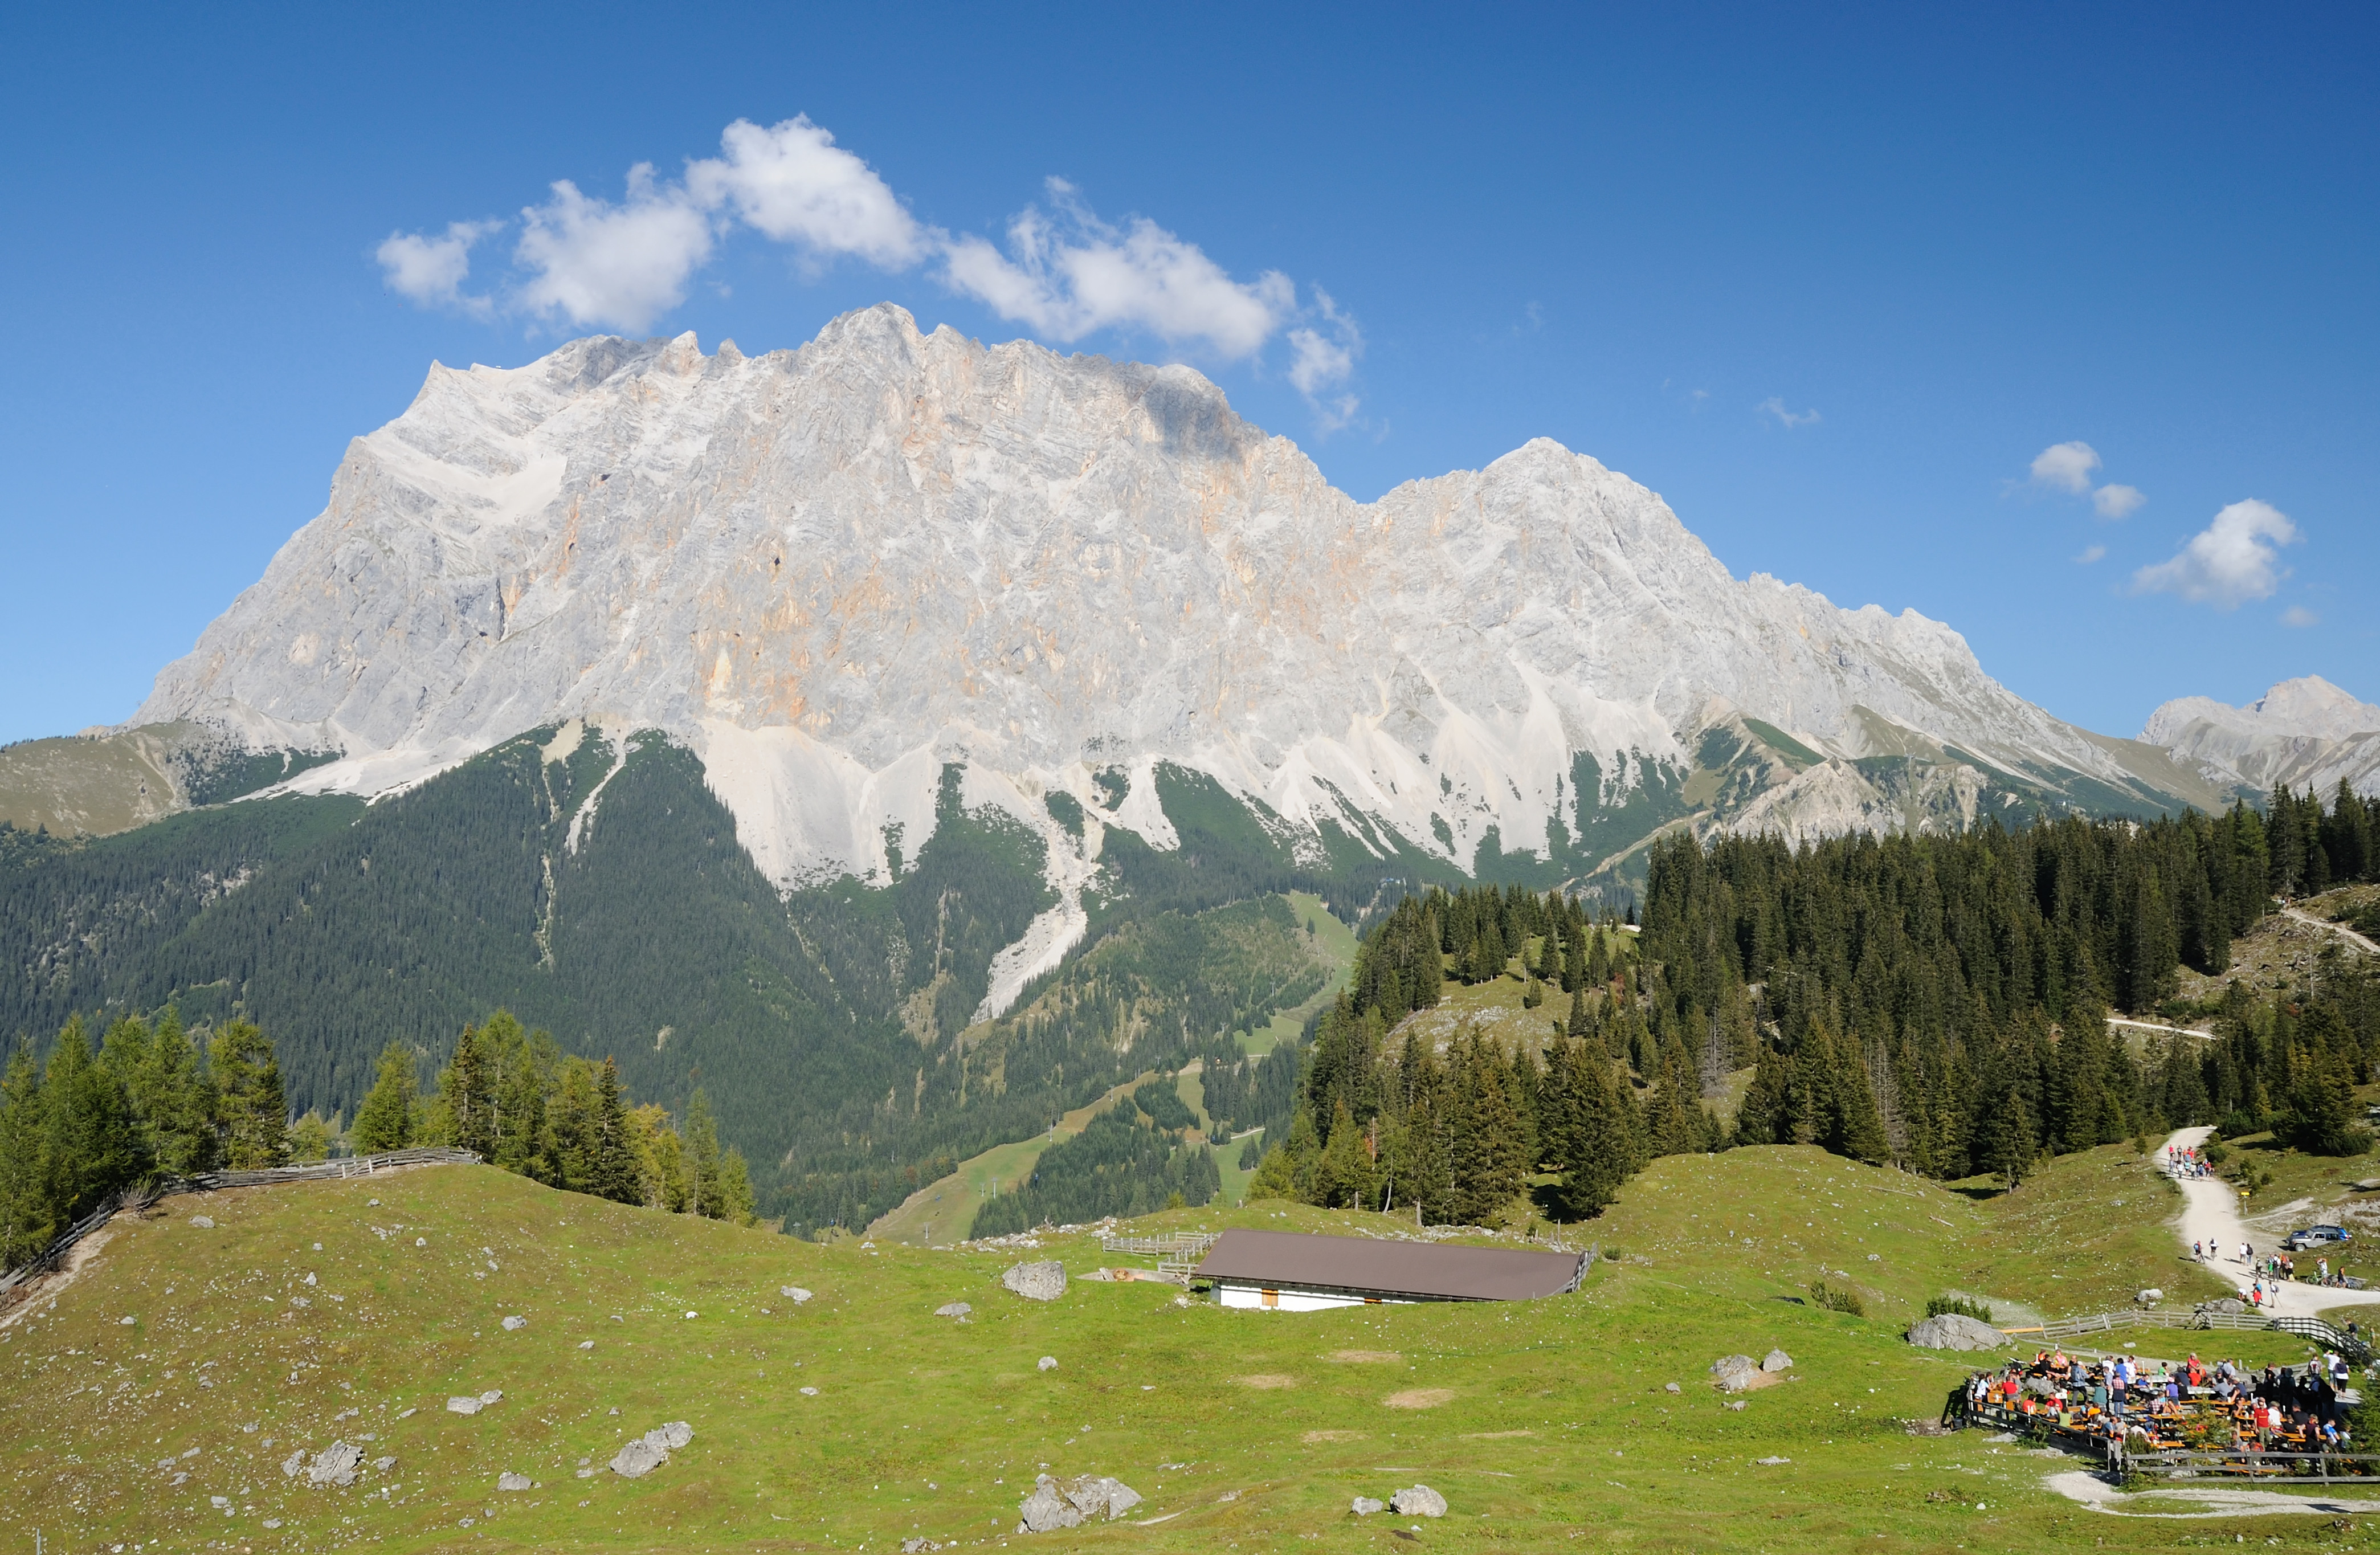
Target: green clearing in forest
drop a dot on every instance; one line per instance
(1545, 1424)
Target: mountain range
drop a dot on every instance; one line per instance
(1062, 640)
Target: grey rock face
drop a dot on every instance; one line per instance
(1042, 1281)
(2305, 732)
(1956, 1330)
(794, 1293)
(382, 1466)
(461, 1404)
(637, 1458)
(1104, 1495)
(1735, 1373)
(1364, 1506)
(290, 1465)
(829, 570)
(514, 1325)
(336, 1464)
(1046, 1510)
(1418, 1500)
(1777, 1360)
(510, 1481)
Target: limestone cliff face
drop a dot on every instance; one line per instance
(832, 570)
(2304, 733)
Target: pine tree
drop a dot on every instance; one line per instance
(385, 1120)
(250, 1108)
(28, 1212)
(703, 1194)
(614, 1172)
(178, 1102)
(465, 1112)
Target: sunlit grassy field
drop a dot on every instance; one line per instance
(1545, 1424)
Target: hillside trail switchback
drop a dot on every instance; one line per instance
(2210, 1215)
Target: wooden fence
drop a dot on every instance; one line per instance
(141, 1195)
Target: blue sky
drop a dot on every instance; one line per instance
(1839, 285)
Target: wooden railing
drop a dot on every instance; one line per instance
(141, 1195)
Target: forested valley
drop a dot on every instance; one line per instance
(1935, 1002)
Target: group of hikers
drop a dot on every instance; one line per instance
(2269, 1271)
(2281, 1409)
(2183, 1160)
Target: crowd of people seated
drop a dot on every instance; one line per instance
(2280, 1409)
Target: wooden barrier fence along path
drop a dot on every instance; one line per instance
(141, 1195)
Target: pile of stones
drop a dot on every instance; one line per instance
(651, 1450)
(1051, 1506)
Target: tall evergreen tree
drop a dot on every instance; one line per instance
(386, 1121)
(250, 1109)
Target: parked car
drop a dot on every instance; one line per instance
(2317, 1236)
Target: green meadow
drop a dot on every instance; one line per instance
(1546, 1425)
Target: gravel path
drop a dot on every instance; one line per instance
(2211, 1214)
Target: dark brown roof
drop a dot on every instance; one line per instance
(1409, 1268)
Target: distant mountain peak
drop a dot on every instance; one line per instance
(2303, 733)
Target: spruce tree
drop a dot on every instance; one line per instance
(250, 1109)
(615, 1174)
(703, 1196)
(386, 1121)
(466, 1110)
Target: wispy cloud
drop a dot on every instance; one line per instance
(1066, 274)
(2231, 561)
(430, 272)
(2091, 553)
(1062, 272)
(2298, 615)
(2068, 467)
(1775, 406)
(2116, 502)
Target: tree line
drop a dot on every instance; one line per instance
(1132, 1156)
(153, 1102)
(1936, 1003)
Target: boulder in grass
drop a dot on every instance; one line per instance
(514, 1325)
(1733, 1374)
(290, 1465)
(959, 1309)
(1418, 1500)
(1364, 1506)
(794, 1293)
(637, 1458)
(1046, 1510)
(203, 1222)
(336, 1464)
(1044, 1280)
(1046, 1363)
(509, 1481)
(1103, 1495)
(1956, 1330)
(1777, 1360)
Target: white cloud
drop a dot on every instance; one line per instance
(2066, 467)
(431, 271)
(2229, 562)
(2116, 502)
(1073, 274)
(2091, 553)
(1321, 364)
(598, 264)
(1775, 406)
(792, 183)
(2298, 615)
(1064, 274)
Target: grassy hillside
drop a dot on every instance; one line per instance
(1545, 1424)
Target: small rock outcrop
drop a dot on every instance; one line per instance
(336, 1464)
(510, 1481)
(1050, 1505)
(465, 1405)
(1364, 1506)
(515, 1324)
(794, 1293)
(1771, 1463)
(1044, 1280)
(1777, 1360)
(651, 1450)
(1956, 1330)
(204, 1222)
(1733, 1374)
(959, 1309)
(2150, 1298)
(1418, 1500)
(1046, 1363)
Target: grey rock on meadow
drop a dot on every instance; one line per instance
(1103, 1494)
(514, 1325)
(336, 1464)
(1418, 1500)
(1777, 1360)
(637, 1458)
(1956, 1330)
(1364, 1506)
(959, 1309)
(510, 1481)
(1735, 1373)
(1044, 1510)
(204, 1222)
(1046, 1363)
(1044, 1280)
(794, 1293)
